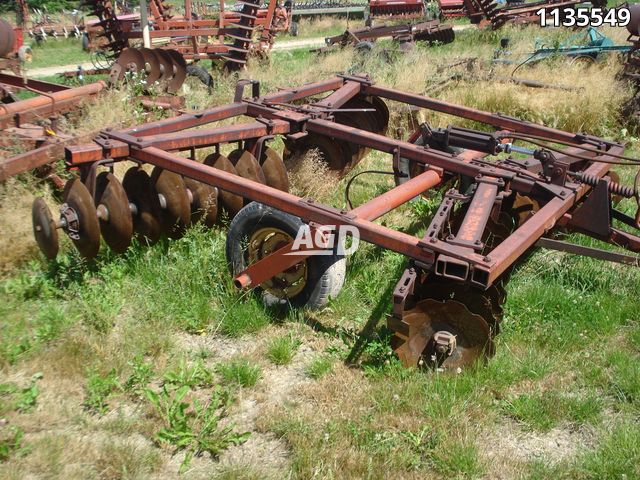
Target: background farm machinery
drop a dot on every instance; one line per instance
(228, 39)
(583, 47)
(503, 191)
(431, 31)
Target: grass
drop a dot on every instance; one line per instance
(52, 53)
(280, 350)
(319, 367)
(239, 372)
(118, 334)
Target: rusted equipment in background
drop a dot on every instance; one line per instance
(394, 9)
(13, 52)
(406, 34)
(447, 306)
(229, 39)
(31, 125)
(631, 70)
(490, 13)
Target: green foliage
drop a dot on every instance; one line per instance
(10, 442)
(192, 426)
(239, 372)
(141, 373)
(98, 389)
(616, 456)
(185, 375)
(280, 350)
(246, 316)
(319, 366)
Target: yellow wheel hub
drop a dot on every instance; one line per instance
(264, 242)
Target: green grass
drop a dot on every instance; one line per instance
(239, 372)
(52, 53)
(319, 367)
(280, 350)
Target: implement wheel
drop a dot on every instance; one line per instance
(257, 231)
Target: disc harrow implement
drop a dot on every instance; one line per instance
(448, 304)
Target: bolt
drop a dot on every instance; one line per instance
(563, 193)
(478, 242)
(486, 259)
(450, 237)
(433, 240)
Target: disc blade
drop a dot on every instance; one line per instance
(131, 61)
(79, 199)
(117, 229)
(231, 202)
(248, 167)
(146, 221)
(44, 228)
(166, 66)
(275, 172)
(176, 214)
(472, 333)
(179, 71)
(152, 65)
(204, 206)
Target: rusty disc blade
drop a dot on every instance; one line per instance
(176, 212)
(204, 206)
(44, 228)
(382, 114)
(247, 166)
(275, 172)
(152, 65)
(166, 66)
(179, 71)
(230, 201)
(146, 219)
(79, 199)
(332, 152)
(131, 61)
(473, 335)
(117, 229)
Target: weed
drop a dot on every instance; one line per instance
(10, 442)
(28, 398)
(239, 372)
(320, 366)
(141, 373)
(193, 426)
(194, 375)
(280, 350)
(99, 388)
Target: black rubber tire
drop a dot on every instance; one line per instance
(293, 29)
(201, 73)
(364, 47)
(325, 274)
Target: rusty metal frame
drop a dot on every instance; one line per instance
(560, 196)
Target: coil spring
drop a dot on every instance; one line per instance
(614, 187)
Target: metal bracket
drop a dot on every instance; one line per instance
(240, 86)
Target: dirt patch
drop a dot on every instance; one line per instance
(507, 445)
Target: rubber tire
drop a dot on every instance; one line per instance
(325, 274)
(201, 73)
(364, 47)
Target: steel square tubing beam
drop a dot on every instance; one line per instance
(188, 120)
(498, 121)
(211, 136)
(370, 232)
